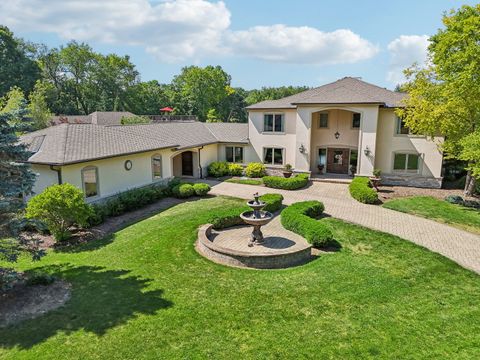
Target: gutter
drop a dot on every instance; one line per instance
(59, 174)
(200, 163)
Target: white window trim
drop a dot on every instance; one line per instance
(405, 171)
(273, 124)
(97, 178)
(161, 167)
(272, 163)
(233, 153)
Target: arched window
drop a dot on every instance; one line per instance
(156, 167)
(90, 181)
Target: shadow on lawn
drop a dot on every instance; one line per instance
(101, 300)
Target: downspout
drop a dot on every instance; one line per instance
(59, 174)
(199, 163)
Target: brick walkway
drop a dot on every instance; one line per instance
(458, 245)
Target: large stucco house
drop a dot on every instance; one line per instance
(346, 127)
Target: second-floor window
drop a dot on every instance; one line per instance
(356, 120)
(234, 154)
(323, 121)
(402, 129)
(273, 123)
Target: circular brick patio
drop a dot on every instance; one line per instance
(281, 248)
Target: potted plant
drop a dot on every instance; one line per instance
(320, 168)
(376, 178)
(287, 170)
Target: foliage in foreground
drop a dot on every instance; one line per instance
(444, 97)
(438, 210)
(361, 190)
(301, 218)
(295, 182)
(378, 297)
(60, 207)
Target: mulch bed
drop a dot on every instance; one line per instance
(394, 192)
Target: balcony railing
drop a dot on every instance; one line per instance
(179, 118)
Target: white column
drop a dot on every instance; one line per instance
(368, 139)
(303, 133)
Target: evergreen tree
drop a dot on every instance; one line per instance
(16, 180)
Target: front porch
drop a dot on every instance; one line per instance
(332, 178)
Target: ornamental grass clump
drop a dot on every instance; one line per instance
(301, 219)
(60, 207)
(361, 190)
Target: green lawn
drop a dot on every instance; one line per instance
(146, 293)
(438, 210)
(245, 181)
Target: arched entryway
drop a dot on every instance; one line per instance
(334, 141)
(185, 164)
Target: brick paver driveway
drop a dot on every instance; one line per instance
(458, 245)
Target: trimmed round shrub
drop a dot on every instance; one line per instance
(292, 183)
(183, 191)
(235, 169)
(218, 169)
(255, 170)
(201, 189)
(301, 219)
(60, 207)
(273, 202)
(361, 190)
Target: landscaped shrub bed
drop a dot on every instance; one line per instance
(300, 218)
(201, 189)
(255, 170)
(293, 183)
(361, 190)
(235, 169)
(218, 169)
(127, 201)
(183, 191)
(231, 217)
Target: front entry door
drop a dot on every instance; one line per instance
(337, 161)
(187, 163)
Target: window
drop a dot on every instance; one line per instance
(273, 123)
(273, 156)
(90, 181)
(322, 157)
(234, 154)
(323, 120)
(338, 157)
(402, 129)
(353, 158)
(356, 120)
(156, 167)
(406, 162)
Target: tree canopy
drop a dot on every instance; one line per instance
(444, 98)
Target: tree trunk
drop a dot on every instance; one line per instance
(470, 184)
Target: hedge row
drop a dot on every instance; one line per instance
(300, 218)
(219, 169)
(232, 216)
(292, 183)
(361, 190)
(186, 190)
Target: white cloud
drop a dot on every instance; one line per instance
(177, 30)
(404, 51)
(172, 30)
(281, 43)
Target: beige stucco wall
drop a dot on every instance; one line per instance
(249, 153)
(45, 178)
(285, 140)
(389, 143)
(338, 120)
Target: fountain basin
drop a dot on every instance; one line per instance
(256, 205)
(249, 217)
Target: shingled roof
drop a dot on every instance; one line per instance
(348, 90)
(73, 143)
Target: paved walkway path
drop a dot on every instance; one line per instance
(458, 245)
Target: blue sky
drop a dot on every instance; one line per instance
(260, 43)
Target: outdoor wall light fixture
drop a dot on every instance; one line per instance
(367, 151)
(337, 135)
(301, 149)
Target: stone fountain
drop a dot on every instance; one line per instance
(256, 217)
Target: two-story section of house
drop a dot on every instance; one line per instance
(345, 127)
